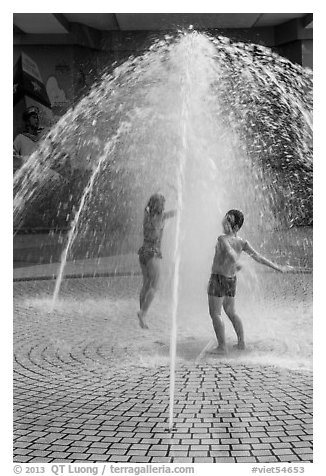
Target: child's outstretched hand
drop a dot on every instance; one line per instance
(296, 269)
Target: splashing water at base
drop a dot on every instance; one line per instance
(213, 125)
(277, 321)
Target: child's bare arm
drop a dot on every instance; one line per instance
(247, 248)
(169, 214)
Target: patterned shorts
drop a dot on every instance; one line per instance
(146, 254)
(220, 286)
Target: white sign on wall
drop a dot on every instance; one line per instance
(30, 67)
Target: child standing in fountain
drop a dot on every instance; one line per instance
(150, 252)
(222, 284)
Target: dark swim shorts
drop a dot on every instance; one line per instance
(220, 286)
(145, 254)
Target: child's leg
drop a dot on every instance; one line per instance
(229, 308)
(215, 310)
(153, 273)
(145, 286)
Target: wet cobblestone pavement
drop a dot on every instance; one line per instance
(90, 385)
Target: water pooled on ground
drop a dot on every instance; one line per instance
(98, 316)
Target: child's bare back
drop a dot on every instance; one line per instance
(227, 254)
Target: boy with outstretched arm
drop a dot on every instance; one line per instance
(222, 284)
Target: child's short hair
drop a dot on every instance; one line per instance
(156, 203)
(235, 218)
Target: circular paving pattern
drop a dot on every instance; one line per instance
(90, 385)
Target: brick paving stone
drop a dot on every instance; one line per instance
(113, 433)
(262, 452)
(230, 441)
(97, 451)
(288, 438)
(99, 444)
(96, 458)
(257, 423)
(258, 434)
(122, 451)
(267, 459)
(163, 459)
(141, 435)
(124, 446)
(278, 434)
(219, 453)
(92, 438)
(203, 460)
(181, 452)
(130, 452)
(262, 446)
(199, 447)
(81, 444)
(70, 437)
(224, 460)
(70, 431)
(270, 439)
(282, 451)
(79, 456)
(22, 459)
(156, 453)
(34, 446)
(220, 447)
(47, 438)
(23, 451)
(119, 459)
(23, 438)
(301, 451)
(287, 444)
(301, 444)
(60, 454)
(76, 449)
(241, 447)
(61, 443)
(138, 446)
(235, 434)
(208, 441)
(122, 440)
(295, 432)
(41, 459)
(199, 432)
(215, 434)
(173, 447)
(139, 459)
(160, 447)
(246, 459)
(193, 441)
(195, 453)
(177, 459)
(240, 453)
(288, 458)
(152, 441)
(249, 440)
